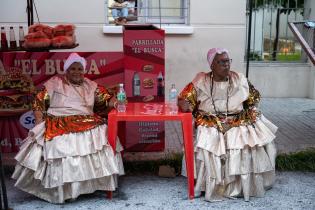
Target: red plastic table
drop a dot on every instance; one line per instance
(138, 112)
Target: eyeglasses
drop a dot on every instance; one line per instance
(224, 62)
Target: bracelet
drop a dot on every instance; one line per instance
(115, 104)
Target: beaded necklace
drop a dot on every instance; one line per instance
(227, 96)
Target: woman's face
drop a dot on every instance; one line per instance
(221, 66)
(75, 73)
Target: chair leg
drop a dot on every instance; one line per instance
(109, 195)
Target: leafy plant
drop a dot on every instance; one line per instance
(255, 56)
(298, 161)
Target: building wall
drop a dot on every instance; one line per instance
(281, 80)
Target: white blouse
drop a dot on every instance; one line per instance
(226, 95)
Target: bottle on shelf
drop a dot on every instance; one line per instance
(21, 36)
(12, 38)
(121, 99)
(4, 41)
(160, 85)
(173, 108)
(136, 84)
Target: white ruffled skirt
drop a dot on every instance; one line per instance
(240, 162)
(68, 165)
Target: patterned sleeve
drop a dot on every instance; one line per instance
(189, 94)
(102, 97)
(253, 98)
(41, 101)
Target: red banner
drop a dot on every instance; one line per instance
(21, 73)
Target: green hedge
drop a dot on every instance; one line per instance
(298, 161)
(140, 167)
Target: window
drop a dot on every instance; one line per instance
(154, 12)
(164, 11)
(271, 38)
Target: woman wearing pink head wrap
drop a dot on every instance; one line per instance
(235, 151)
(67, 152)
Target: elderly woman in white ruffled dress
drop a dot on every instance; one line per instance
(234, 148)
(67, 152)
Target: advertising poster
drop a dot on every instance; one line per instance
(144, 62)
(23, 73)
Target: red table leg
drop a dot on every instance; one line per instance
(111, 135)
(109, 194)
(112, 131)
(189, 153)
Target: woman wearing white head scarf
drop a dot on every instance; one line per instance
(67, 153)
(235, 152)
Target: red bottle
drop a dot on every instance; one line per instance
(21, 36)
(4, 41)
(12, 39)
(160, 85)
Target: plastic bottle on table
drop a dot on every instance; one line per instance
(21, 36)
(160, 85)
(121, 97)
(4, 41)
(136, 84)
(173, 100)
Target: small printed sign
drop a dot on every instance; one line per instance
(27, 120)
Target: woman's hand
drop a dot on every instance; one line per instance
(113, 102)
(38, 117)
(184, 105)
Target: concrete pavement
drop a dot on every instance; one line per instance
(292, 190)
(295, 118)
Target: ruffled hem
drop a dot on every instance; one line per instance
(34, 149)
(251, 184)
(238, 161)
(56, 172)
(77, 144)
(70, 173)
(59, 194)
(259, 134)
(247, 172)
(245, 185)
(257, 159)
